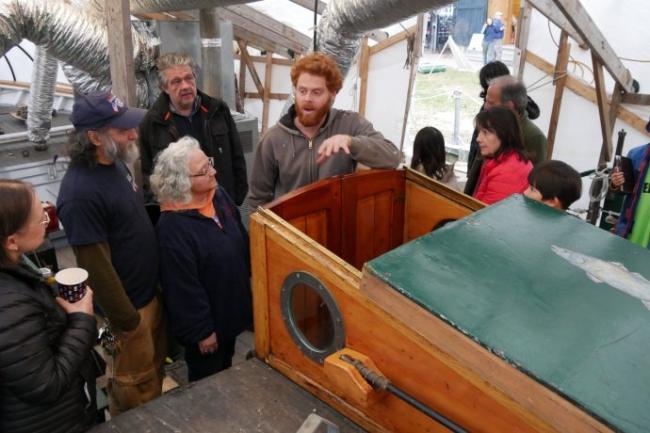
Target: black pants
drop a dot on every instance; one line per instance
(200, 365)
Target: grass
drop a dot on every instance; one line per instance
(433, 104)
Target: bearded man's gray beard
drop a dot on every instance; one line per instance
(129, 155)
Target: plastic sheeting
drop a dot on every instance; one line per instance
(345, 21)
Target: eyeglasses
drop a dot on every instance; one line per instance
(178, 80)
(46, 219)
(206, 170)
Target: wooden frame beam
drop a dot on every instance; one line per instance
(548, 9)
(523, 31)
(254, 40)
(248, 20)
(275, 96)
(120, 50)
(167, 16)
(262, 59)
(268, 73)
(242, 71)
(415, 58)
(251, 67)
(364, 61)
(603, 110)
(309, 4)
(589, 93)
(636, 98)
(576, 14)
(559, 79)
(395, 39)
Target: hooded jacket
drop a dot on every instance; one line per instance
(157, 131)
(43, 354)
(286, 160)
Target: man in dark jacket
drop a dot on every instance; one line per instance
(182, 110)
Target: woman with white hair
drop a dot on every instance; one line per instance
(204, 258)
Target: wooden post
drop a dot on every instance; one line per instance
(268, 71)
(603, 111)
(120, 50)
(251, 66)
(585, 91)
(614, 105)
(242, 73)
(417, 46)
(210, 51)
(559, 78)
(523, 30)
(364, 60)
(606, 130)
(577, 15)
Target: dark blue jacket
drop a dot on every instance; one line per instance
(640, 157)
(205, 272)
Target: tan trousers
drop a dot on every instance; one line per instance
(138, 366)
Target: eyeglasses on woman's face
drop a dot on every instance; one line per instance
(206, 170)
(46, 219)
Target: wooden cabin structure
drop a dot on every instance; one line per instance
(480, 320)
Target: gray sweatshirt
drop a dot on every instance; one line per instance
(286, 160)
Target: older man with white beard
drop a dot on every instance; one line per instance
(314, 141)
(102, 211)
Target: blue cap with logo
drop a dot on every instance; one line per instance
(101, 109)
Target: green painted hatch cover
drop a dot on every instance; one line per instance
(521, 279)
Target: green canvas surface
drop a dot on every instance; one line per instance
(494, 276)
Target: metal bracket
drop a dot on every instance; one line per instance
(317, 424)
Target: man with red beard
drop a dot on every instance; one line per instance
(314, 141)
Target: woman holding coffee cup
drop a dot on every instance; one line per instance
(204, 258)
(45, 342)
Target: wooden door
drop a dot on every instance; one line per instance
(372, 208)
(315, 211)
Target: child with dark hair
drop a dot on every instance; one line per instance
(429, 156)
(555, 184)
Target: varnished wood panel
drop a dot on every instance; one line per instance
(316, 226)
(373, 210)
(428, 203)
(403, 356)
(259, 282)
(529, 397)
(314, 210)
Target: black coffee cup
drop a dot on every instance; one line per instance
(72, 283)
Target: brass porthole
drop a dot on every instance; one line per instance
(311, 316)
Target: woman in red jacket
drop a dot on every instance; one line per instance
(506, 167)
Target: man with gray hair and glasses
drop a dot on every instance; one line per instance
(105, 221)
(507, 91)
(182, 109)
